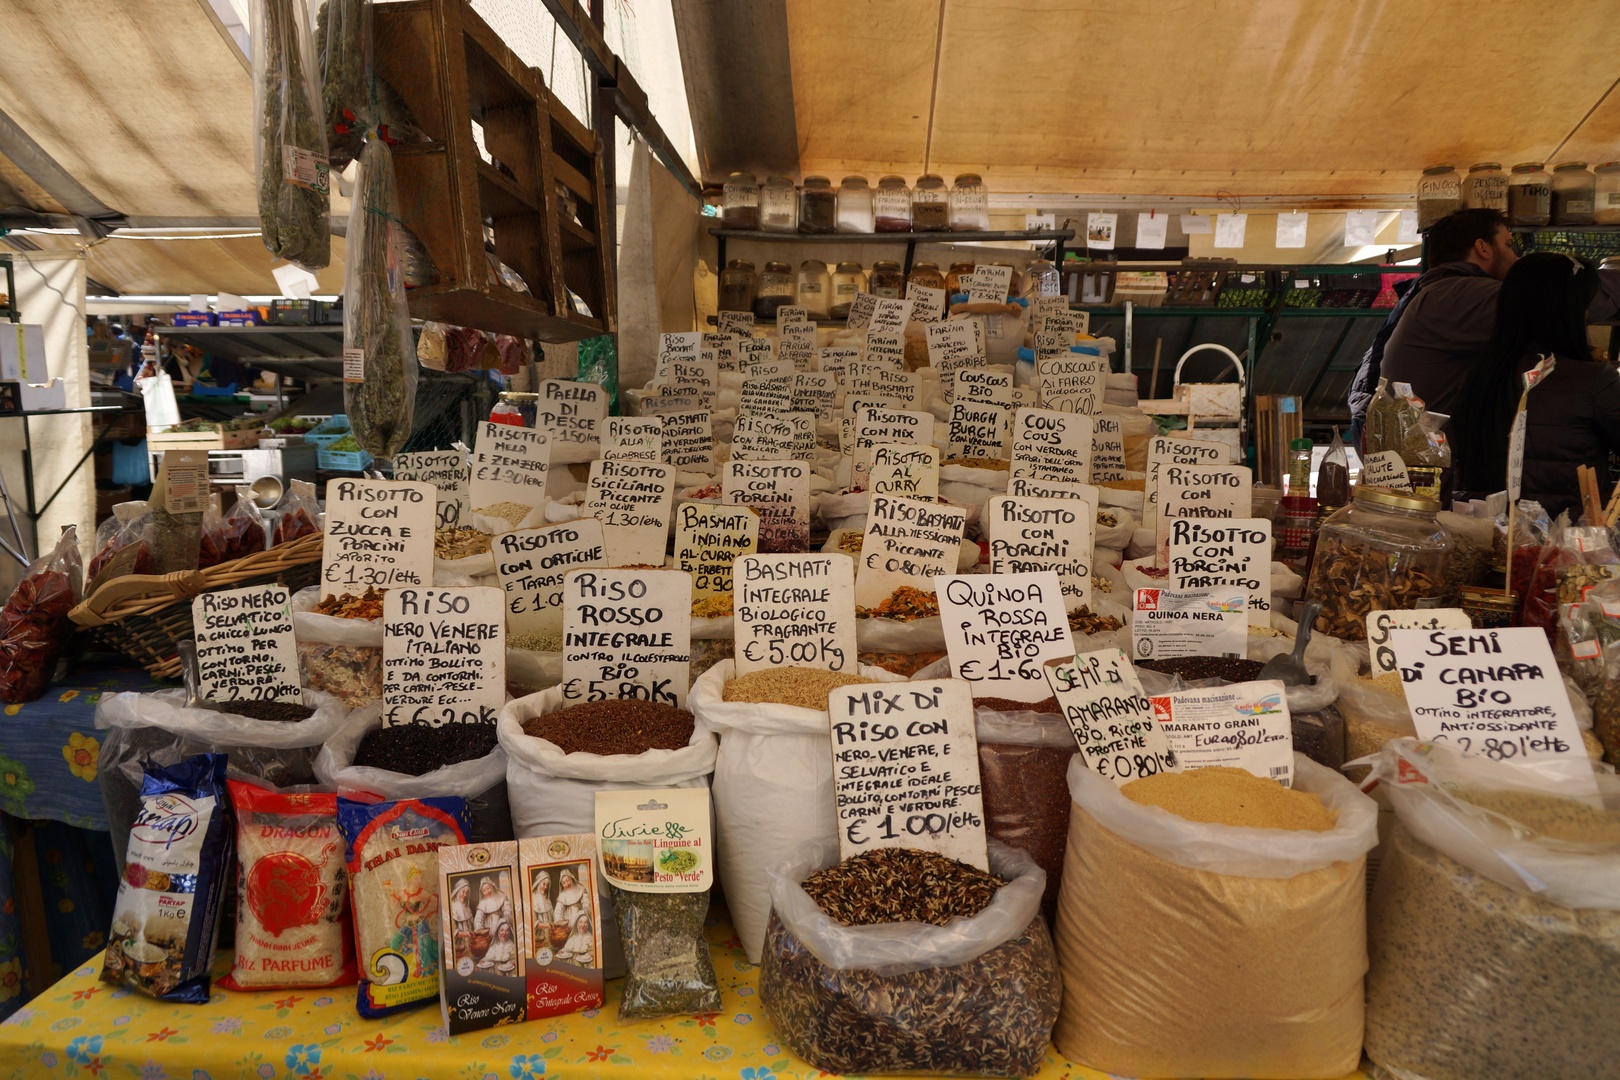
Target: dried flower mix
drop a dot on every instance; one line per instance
(903, 605)
(368, 605)
(850, 542)
(804, 688)
(352, 672)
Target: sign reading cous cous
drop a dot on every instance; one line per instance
(379, 534)
(245, 647)
(906, 769)
(531, 564)
(794, 611)
(444, 656)
(627, 634)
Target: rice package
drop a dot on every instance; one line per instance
(166, 920)
(393, 864)
(292, 913)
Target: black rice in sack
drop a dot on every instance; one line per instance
(393, 864)
(166, 920)
(898, 960)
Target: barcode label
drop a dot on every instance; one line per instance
(1280, 770)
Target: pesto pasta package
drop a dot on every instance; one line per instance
(289, 153)
(379, 367)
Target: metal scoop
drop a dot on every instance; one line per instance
(1290, 667)
(189, 672)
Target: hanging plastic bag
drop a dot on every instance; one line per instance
(1572, 561)
(380, 394)
(977, 997)
(289, 154)
(34, 623)
(1493, 930)
(343, 40)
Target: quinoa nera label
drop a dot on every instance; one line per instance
(1195, 622)
(655, 841)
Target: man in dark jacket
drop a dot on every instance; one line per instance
(1444, 318)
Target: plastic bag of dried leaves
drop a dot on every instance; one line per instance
(1573, 560)
(1589, 653)
(975, 998)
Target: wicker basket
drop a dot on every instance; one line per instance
(144, 616)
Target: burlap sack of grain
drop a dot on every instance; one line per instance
(1201, 950)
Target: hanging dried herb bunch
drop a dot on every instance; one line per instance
(294, 176)
(343, 38)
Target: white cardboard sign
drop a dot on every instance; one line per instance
(1381, 622)
(444, 656)
(1165, 449)
(989, 285)
(780, 491)
(905, 469)
(1026, 488)
(633, 438)
(627, 634)
(1200, 491)
(1497, 695)
(917, 741)
(1233, 553)
(753, 350)
(571, 412)
(379, 534)
(1072, 381)
(1241, 726)
(1108, 450)
(689, 441)
(1031, 535)
(884, 381)
(708, 539)
(815, 392)
(682, 346)
(794, 611)
(700, 378)
(447, 471)
(1052, 445)
(766, 396)
(532, 563)
(887, 349)
(1110, 716)
(1202, 622)
(978, 430)
(509, 465)
(1001, 629)
(245, 646)
(928, 305)
(1384, 469)
(889, 316)
(874, 426)
(906, 542)
(738, 323)
(952, 345)
(634, 501)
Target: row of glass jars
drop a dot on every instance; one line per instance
(1572, 195)
(828, 293)
(855, 207)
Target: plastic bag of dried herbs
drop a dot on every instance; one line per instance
(379, 394)
(1208, 949)
(975, 997)
(669, 971)
(1494, 927)
(1589, 654)
(1572, 560)
(343, 41)
(289, 155)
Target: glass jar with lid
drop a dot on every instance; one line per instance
(970, 204)
(1386, 550)
(887, 280)
(1485, 187)
(1439, 193)
(848, 281)
(814, 288)
(775, 289)
(1529, 194)
(739, 202)
(926, 307)
(1041, 278)
(930, 209)
(892, 205)
(855, 205)
(779, 205)
(1573, 192)
(1606, 207)
(818, 205)
(737, 286)
(954, 285)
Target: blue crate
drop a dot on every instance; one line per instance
(343, 460)
(328, 431)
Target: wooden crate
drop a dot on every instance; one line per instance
(1279, 419)
(453, 72)
(232, 435)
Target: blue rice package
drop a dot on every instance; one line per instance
(166, 919)
(393, 863)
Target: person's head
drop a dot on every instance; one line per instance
(461, 891)
(1479, 236)
(503, 932)
(1541, 308)
(567, 878)
(486, 887)
(583, 924)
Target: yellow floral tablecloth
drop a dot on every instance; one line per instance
(83, 1027)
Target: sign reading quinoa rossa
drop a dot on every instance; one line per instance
(907, 542)
(906, 769)
(1030, 535)
(245, 647)
(708, 538)
(379, 534)
(444, 656)
(531, 565)
(633, 500)
(794, 611)
(780, 491)
(1110, 716)
(509, 465)
(1000, 629)
(627, 634)
(447, 471)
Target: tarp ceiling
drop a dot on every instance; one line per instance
(1159, 97)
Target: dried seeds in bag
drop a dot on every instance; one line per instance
(380, 398)
(293, 926)
(166, 919)
(289, 154)
(393, 863)
(670, 971)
